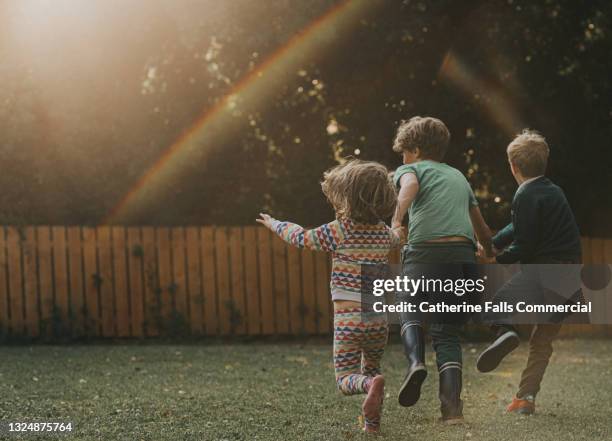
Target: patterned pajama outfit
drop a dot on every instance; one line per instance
(359, 337)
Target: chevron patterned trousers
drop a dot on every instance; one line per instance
(359, 344)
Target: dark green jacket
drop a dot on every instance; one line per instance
(543, 226)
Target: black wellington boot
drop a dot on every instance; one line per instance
(414, 348)
(450, 395)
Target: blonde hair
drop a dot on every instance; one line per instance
(360, 190)
(429, 134)
(528, 152)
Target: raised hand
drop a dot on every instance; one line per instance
(266, 220)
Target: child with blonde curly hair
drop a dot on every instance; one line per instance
(362, 196)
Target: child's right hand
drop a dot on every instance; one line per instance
(401, 232)
(480, 252)
(266, 220)
(485, 253)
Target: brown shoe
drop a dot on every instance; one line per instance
(522, 406)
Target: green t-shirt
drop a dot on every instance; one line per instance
(442, 205)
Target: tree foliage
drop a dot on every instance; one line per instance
(85, 114)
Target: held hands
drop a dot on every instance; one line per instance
(401, 232)
(487, 254)
(266, 220)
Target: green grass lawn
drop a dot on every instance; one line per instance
(286, 392)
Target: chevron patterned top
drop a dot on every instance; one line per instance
(351, 245)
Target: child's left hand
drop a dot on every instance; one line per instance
(266, 220)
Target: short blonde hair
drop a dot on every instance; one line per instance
(528, 152)
(429, 134)
(360, 190)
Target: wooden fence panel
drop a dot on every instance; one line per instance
(309, 300)
(92, 279)
(75, 268)
(152, 290)
(179, 280)
(279, 267)
(135, 262)
(597, 250)
(61, 306)
(4, 290)
(31, 283)
(586, 250)
(164, 270)
(105, 281)
(45, 279)
(253, 312)
(238, 303)
(607, 257)
(209, 285)
(266, 283)
(120, 285)
(13, 241)
(294, 284)
(600, 302)
(223, 283)
(145, 281)
(194, 282)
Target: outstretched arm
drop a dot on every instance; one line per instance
(504, 237)
(481, 229)
(409, 187)
(525, 230)
(327, 237)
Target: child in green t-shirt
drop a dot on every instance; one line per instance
(443, 217)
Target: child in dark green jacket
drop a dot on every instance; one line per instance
(543, 231)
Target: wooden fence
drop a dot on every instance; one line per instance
(144, 281)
